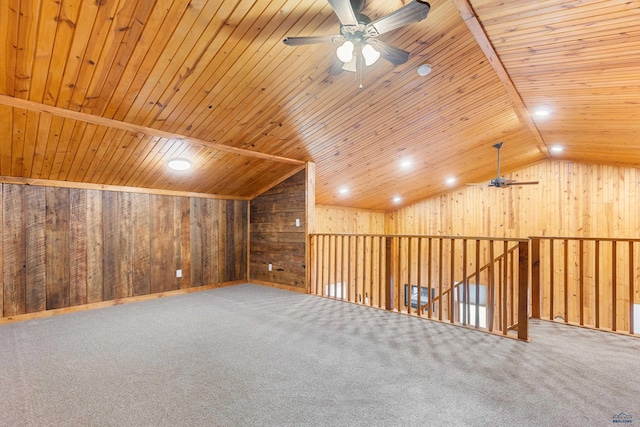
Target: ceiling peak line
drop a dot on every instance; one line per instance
(470, 18)
(130, 127)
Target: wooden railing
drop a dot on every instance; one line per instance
(588, 282)
(477, 282)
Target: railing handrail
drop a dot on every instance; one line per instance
(426, 236)
(590, 239)
(484, 267)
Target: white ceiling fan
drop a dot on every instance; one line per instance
(358, 35)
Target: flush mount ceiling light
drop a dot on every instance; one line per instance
(556, 149)
(179, 164)
(451, 180)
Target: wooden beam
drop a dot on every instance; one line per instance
(469, 17)
(118, 188)
(130, 127)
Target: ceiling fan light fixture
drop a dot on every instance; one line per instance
(351, 65)
(179, 164)
(345, 52)
(370, 54)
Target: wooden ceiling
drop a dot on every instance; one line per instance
(106, 91)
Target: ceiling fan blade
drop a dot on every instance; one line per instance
(522, 183)
(390, 53)
(300, 41)
(344, 11)
(414, 11)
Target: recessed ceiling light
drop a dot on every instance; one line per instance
(542, 112)
(179, 164)
(424, 70)
(451, 180)
(343, 190)
(556, 149)
(397, 199)
(406, 164)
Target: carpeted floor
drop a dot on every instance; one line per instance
(255, 356)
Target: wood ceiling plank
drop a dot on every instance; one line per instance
(102, 154)
(9, 21)
(17, 140)
(53, 136)
(227, 100)
(30, 142)
(67, 18)
(179, 114)
(75, 169)
(44, 125)
(124, 34)
(158, 29)
(26, 47)
(63, 146)
(74, 149)
(80, 37)
(119, 151)
(106, 30)
(216, 39)
(6, 125)
(178, 47)
(47, 22)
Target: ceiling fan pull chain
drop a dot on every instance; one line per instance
(361, 69)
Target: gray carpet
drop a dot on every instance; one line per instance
(255, 356)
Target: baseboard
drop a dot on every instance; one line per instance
(111, 303)
(278, 286)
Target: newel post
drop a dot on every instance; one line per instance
(523, 291)
(535, 278)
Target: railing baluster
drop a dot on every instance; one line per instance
(440, 256)
(566, 281)
(614, 286)
(452, 280)
(429, 281)
(581, 290)
(419, 278)
(477, 314)
(597, 283)
(632, 273)
(407, 290)
(349, 278)
(551, 281)
(465, 284)
(491, 288)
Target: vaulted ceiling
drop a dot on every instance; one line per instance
(106, 91)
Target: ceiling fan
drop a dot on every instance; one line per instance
(358, 34)
(501, 182)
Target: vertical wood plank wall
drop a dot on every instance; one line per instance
(274, 236)
(336, 219)
(572, 199)
(64, 247)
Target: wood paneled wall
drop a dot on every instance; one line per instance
(64, 247)
(572, 199)
(275, 239)
(338, 219)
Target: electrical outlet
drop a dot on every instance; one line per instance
(270, 267)
(178, 273)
